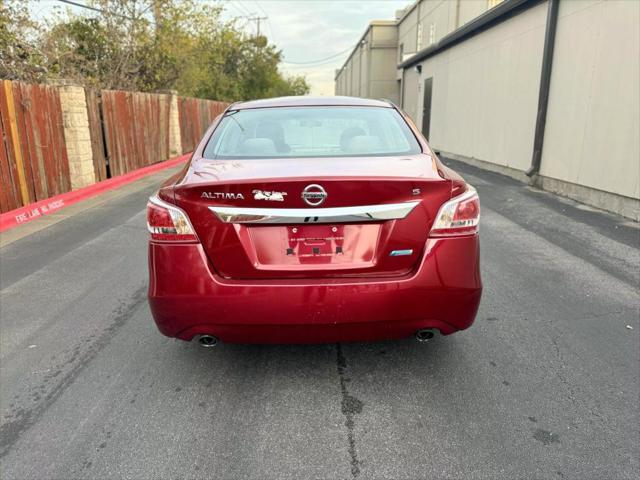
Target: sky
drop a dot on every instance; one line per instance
(310, 30)
(305, 30)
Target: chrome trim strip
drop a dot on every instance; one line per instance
(367, 213)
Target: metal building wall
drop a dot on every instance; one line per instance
(485, 92)
(407, 32)
(370, 70)
(593, 121)
(384, 83)
(485, 96)
(382, 66)
(427, 21)
(468, 10)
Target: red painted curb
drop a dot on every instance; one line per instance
(19, 216)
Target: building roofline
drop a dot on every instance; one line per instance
(498, 14)
(378, 23)
(407, 10)
(372, 23)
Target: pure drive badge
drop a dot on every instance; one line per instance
(269, 196)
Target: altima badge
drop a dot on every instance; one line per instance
(222, 196)
(314, 194)
(269, 196)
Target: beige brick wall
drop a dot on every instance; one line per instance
(77, 137)
(175, 140)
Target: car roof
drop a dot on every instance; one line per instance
(310, 101)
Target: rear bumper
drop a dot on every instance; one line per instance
(187, 299)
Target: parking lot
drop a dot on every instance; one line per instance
(544, 385)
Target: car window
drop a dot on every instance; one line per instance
(311, 132)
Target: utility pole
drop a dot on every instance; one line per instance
(257, 20)
(157, 10)
(157, 13)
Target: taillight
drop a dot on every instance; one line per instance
(168, 223)
(458, 216)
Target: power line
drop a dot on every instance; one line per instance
(241, 6)
(75, 4)
(260, 7)
(246, 14)
(257, 20)
(320, 60)
(253, 17)
(241, 12)
(264, 12)
(89, 7)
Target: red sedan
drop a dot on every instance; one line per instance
(308, 220)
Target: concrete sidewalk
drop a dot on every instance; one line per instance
(10, 236)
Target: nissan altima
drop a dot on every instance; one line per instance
(309, 220)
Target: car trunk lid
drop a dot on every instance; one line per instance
(257, 222)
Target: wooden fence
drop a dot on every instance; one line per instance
(98, 151)
(33, 156)
(147, 142)
(127, 131)
(196, 115)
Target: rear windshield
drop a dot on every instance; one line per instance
(311, 132)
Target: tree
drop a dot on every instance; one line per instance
(152, 45)
(20, 59)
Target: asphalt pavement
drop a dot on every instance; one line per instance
(544, 385)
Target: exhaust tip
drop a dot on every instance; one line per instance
(425, 335)
(207, 341)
